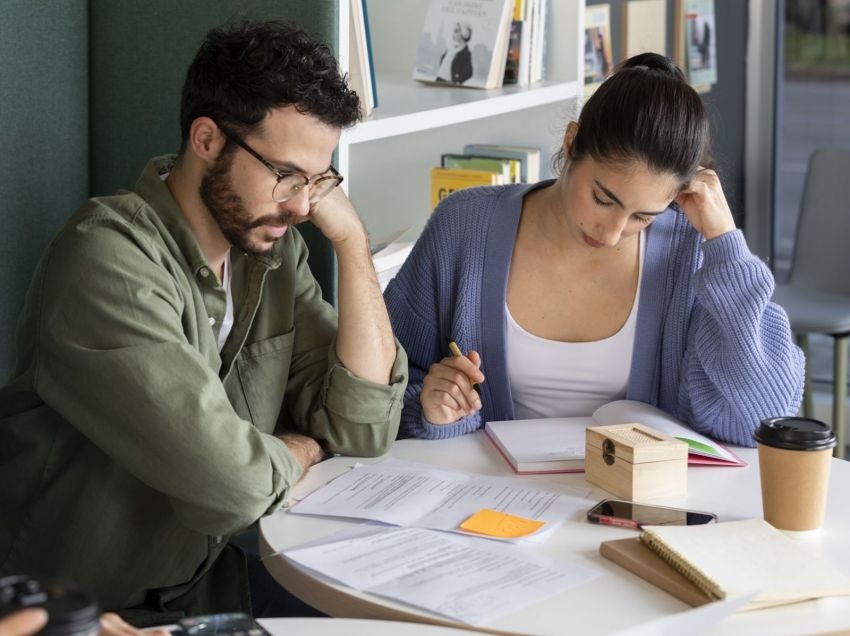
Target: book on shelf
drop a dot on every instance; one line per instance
(513, 66)
(529, 158)
(539, 18)
(700, 43)
(736, 558)
(444, 181)
(527, 43)
(360, 66)
(508, 168)
(464, 43)
(598, 61)
(369, 52)
(643, 25)
(556, 445)
(517, 65)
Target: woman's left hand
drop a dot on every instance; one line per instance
(703, 202)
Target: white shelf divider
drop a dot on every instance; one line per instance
(408, 107)
(414, 122)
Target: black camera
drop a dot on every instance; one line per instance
(70, 611)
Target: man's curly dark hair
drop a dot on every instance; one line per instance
(245, 69)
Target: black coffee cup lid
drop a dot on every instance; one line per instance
(795, 433)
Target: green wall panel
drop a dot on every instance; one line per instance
(140, 51)
(44, 135)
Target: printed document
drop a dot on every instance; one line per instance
(459, 577)
(418, 495)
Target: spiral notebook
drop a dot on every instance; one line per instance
(731, 559)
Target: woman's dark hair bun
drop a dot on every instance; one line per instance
(653, 62)
(645, 111)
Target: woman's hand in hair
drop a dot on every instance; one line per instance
(703, 202)
(447, 394)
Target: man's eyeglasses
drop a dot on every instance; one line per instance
(290, 184)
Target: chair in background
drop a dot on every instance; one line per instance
(817, 295)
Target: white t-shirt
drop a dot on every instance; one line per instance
(551, 378)
(227, 321)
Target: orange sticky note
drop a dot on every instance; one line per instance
(500, 524)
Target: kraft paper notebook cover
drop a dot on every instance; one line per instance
(639, 559)
(732, 559)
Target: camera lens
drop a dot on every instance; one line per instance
(70, 611)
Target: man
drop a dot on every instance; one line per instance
(177, 369)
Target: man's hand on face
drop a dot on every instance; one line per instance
(337, 219)
(305, 449)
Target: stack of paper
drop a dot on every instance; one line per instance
(466, 579)
(418, 495)
(389, 254)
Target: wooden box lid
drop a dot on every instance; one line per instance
(634, 443)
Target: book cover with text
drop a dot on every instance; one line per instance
(700, 42)
(444, 181)
(464, 43)
(598, 60)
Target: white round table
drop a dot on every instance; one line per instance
(354, 627)
(614, 601)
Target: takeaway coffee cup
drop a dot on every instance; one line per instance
(794, 458)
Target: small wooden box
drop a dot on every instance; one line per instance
(635, 462)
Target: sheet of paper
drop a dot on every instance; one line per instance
(417, 495)
(456, 576)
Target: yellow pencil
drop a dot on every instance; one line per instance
(457, 354)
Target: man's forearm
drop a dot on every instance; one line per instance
(305, 450)
(365, 342)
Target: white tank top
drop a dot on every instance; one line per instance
(551, 378)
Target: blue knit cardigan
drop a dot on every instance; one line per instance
(710, 349)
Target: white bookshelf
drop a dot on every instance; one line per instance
(387, 159)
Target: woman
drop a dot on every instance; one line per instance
(623, 278)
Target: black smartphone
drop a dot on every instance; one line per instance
(628, 514)
(231, 624)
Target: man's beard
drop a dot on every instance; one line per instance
(229, 211)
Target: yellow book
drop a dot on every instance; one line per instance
(519, 10)
(444, 181)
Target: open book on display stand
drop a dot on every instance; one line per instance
(556, 445)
